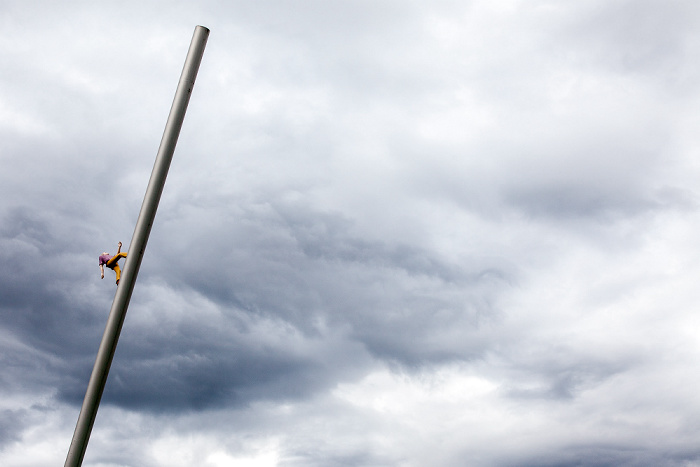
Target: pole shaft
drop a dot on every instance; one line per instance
(100, 371)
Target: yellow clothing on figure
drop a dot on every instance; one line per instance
(114, 265)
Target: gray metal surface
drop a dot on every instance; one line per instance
(137, 247)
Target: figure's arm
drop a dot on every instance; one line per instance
(102, 271)
(119, 249)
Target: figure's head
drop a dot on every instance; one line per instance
(105, 253)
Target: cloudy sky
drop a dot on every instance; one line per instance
(394, 233)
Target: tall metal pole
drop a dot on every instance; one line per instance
(136, 249)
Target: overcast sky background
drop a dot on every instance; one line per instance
(394, 233)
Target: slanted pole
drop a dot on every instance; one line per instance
(137, 247)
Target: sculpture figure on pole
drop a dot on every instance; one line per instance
(112, 262)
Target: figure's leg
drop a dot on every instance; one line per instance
(118, 271)
(113, 261)
(114, 264)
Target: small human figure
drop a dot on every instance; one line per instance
(112, 262)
